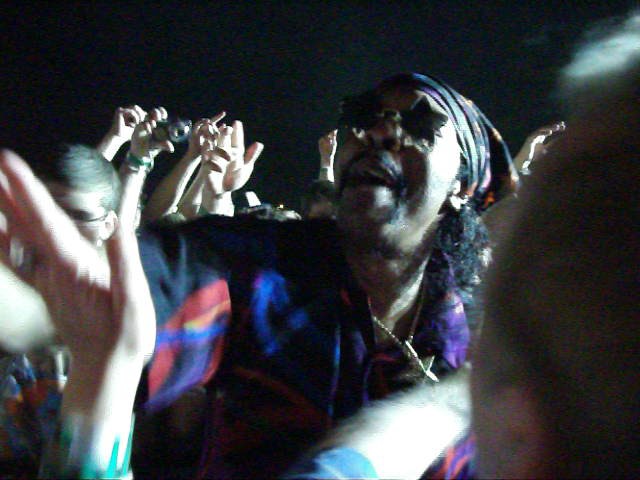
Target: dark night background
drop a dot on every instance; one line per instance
(281, 67)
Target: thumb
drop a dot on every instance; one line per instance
(167, 146)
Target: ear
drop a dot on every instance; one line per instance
(511, 436)
(108, 226)
(454, 200)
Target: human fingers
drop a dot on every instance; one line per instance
(41, 226)
(9, 256)
(157, 114)
(145, 127)
(165, 145)
(237, 135)
(206, 134)
(132, 115)
(203, 122)
(253, 152)
(548, 130)
(217, 164)
(224, 140)
(333, 137)
(140, 112)
(219, 116)
(555, 131)
(215, 151)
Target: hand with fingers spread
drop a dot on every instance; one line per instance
(103, 313)
(536, 144)
(229, 166)
(124, 122)
(91, 310)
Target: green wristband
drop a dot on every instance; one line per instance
(70, 453)
(137, 163)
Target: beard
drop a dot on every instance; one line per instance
(370, 221)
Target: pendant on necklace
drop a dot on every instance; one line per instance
(418, 369)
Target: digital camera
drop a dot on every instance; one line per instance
(175, 130)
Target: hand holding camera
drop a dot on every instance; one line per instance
(155, 134)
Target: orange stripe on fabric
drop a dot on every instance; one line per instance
(462, 462)
(440, 474)
(203, 306)
(199, 303)
(203, 319)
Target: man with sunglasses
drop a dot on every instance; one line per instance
(293, 326)
(296, 325)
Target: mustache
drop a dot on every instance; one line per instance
(384, 158)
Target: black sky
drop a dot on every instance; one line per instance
(281, 67)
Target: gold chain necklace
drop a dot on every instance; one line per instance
(420, 367)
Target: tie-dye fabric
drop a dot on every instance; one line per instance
(269, 318)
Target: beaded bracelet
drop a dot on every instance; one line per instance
(137, 163)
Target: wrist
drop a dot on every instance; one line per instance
(137, 162)
(326, 162)
(326, 173)
(80, 447)
(110, 145)
(102, 387)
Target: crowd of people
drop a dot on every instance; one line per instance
(185, 336)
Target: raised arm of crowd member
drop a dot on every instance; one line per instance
(189, 205)
(103, 313)
(168, 193)
(226, 167)
(327, 145)
(124, 121)
(536, 144)
(229, 167)
(138, 163)
(534, 149)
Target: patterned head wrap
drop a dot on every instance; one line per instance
(490, 171)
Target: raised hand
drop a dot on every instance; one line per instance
(204, 130)
(125, 120)
(327, 145)
(96, 314)
(535, 145)
(229, 166)
(143, 144)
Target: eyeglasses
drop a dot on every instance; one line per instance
(364, 111)
(84, 218)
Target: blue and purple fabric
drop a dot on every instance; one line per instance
(270, 319)
(31, 391)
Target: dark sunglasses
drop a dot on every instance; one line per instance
(364, 111)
